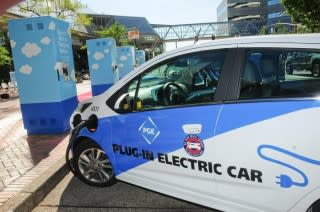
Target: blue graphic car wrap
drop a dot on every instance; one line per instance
(251, 113)
(221, 120)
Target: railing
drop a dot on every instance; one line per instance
(207, 30)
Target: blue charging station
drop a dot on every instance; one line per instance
(126, 60)
(102, 58)
(44, 69)
(140, 57)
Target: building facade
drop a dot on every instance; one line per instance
(241, 10)
(276, 13)
(148, 38)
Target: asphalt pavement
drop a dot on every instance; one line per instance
(73, 195)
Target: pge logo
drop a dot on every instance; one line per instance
(149, 130)
(193, 145)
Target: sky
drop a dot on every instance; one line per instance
(159, 11)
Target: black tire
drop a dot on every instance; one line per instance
(315, 69)
(314, 207)
(94, 167)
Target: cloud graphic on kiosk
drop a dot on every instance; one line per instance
(98, 55)
(45, 40)
(121, 65)
(26, 69)
(52, 26)
(123, 58)
(106, 51)
(30, 50)
(95, 66)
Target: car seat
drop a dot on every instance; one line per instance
(269, 70)
(250, 82)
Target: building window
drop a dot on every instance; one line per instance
(275, 15)
(273, 2)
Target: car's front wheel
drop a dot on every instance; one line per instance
(92, 165)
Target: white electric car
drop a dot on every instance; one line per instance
(221, 124)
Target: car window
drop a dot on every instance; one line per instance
(277, 74)
(188, 79)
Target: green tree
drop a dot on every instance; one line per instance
(116, 31)
(264, 30)
(281, 29)
(302, 29)
(62, 9)
(5, 58)
(305, 12)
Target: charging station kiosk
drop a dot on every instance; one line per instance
(44, 70)
(102, 58)
(140, 57)
(126, 60)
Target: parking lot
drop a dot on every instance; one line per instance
(73, 195)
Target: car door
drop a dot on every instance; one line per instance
(264, 139)
(167, 115)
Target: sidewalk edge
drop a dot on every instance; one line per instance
(34, 193)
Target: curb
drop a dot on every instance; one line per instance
(34, 193)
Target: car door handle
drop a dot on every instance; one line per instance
(192, 129)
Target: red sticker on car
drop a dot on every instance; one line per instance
(193, 145)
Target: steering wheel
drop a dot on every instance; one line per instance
(170, 96)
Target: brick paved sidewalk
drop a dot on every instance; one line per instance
(23, 157)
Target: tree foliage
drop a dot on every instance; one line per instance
(5, 58)
(62, 9)
(277, 28)
(264, 30)
(305, 12)
(116, 31)
(281, 29)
